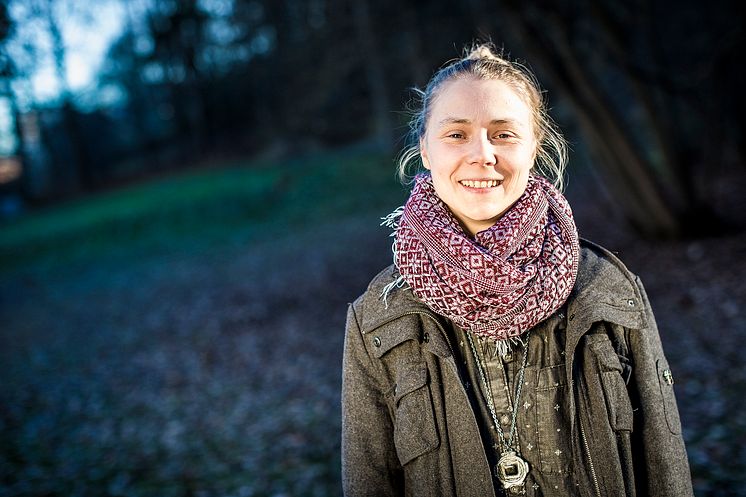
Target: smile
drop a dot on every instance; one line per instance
(481, 184)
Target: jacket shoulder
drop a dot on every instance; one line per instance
(372, 308)
(598, 265)
(606, 287)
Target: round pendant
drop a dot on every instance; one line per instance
(511, 470)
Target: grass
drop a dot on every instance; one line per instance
(203, 208)
(140, 331)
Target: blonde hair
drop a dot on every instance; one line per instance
(482, 62)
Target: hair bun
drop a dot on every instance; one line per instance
(484, 51)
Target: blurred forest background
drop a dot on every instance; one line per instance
(190, 193)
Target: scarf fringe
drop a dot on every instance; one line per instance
(399, 282)
(503, 347)
(392, 221)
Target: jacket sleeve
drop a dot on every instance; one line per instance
(660, 455)
(369, 463)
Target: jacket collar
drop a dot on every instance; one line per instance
(605, 290)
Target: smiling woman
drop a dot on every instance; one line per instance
(501, 354)
(480, 149)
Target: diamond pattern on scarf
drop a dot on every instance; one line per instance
(508, 278)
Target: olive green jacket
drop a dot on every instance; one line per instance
(409, 428)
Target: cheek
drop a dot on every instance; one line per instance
(523, 163)
(435, 159)
(519, 179)
(519, 173)
(440, 184)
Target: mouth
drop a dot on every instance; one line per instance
(481, 184)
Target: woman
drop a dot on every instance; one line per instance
(500, 354)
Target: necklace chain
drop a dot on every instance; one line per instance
(507, 445)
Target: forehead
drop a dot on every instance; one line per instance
(479, 100)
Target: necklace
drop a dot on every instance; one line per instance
(511, 468)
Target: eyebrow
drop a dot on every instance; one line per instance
(456, 120)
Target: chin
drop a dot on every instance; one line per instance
(486, 221)
(487, 217)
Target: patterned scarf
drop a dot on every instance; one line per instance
(504, 281)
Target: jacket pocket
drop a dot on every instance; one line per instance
(617, 401)
(414, 428)
(665, 380)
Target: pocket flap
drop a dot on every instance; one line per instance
(386, 337)
(551, 377)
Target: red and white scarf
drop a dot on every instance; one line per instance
(507, 278)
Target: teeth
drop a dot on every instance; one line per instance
(481, 184)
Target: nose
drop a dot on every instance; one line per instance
(482, 151)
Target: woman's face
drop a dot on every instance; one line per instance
(479, 146)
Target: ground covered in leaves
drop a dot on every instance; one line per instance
(215, 371)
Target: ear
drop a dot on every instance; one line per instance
(423, 154)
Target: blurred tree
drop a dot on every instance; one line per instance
(16, 62)
(38, 44)
(142, 118)
(304, 77)
(8, 71)
(51, 12)
(177, 28)
(374, 72)
(629, 93)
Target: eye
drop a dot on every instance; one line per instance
(504, 136)
(456, 135)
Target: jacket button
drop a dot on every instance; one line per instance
(505, 419)
(631, 303)
(377, 341)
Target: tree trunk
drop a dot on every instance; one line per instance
(374, 72)
(630, 176)
(85, 175)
